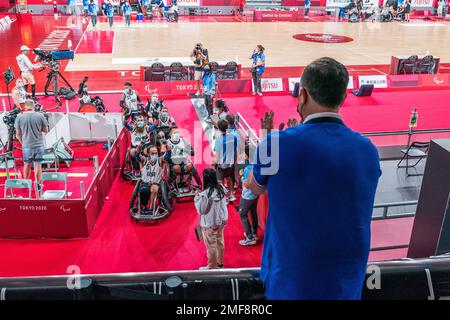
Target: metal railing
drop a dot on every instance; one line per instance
(404, 132)
(388, 205)
(246, 130)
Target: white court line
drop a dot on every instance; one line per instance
(114, 42)
(75, 51)
(376, 70)
(238, 19)
(213, 19)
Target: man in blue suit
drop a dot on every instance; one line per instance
(321, 179)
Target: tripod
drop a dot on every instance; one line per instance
(53, 76)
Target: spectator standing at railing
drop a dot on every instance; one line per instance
(321, 179)
(93, 11)
(127, 13)
(225, 158)
(248, 205)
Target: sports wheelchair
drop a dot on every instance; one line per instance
(192, 183)
(388, 14)
(159, 210)
(95, 104)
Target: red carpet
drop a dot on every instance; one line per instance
(117, 244)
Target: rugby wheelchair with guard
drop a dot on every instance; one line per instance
(158, 209)
(183, 183)
(131, 169)
(388, 14)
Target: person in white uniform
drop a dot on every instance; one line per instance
(129, 100)
(151, 174)
(26, 69)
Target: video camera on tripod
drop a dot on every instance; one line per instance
(10, 119)
(51, 59)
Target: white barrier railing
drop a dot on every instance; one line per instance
(76, 126)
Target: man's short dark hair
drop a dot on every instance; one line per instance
(128, 84)
(326, 81)
(222, 125)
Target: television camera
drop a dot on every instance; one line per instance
(50, 59)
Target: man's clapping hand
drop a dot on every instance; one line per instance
(267, 121)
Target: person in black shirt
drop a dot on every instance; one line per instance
(407, 11)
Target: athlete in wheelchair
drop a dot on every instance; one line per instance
(392, 12)
(353, 10)
(154, 106)
(88, 103)
(164, 124)
(151, 200)
(142, 134)
(130, 101)
(182, 170)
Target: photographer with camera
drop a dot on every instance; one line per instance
(257, 69)
(26, 69)
(30, 127)
(200, 57)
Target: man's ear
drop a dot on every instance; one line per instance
(302, 98)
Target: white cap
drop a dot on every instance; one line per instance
(24, 48)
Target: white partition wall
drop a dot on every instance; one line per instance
(95, 126)
(76, 126)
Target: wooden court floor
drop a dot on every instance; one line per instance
(373, 43)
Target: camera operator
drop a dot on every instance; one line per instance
(26, 69)
(19, 94)
(258, 65)
(200, 57)
(29, 128)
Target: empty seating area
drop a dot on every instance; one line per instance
(176, 71)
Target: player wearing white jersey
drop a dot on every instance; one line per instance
(165, 124)
(180, 153)
(130, 100)
(151, 173)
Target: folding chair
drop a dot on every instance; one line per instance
(11, 184)
(177, 72)
(158, 72)
(417, 151)
(230, 71)
(53, 194)
(408, 65)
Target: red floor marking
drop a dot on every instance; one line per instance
(97, 41)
